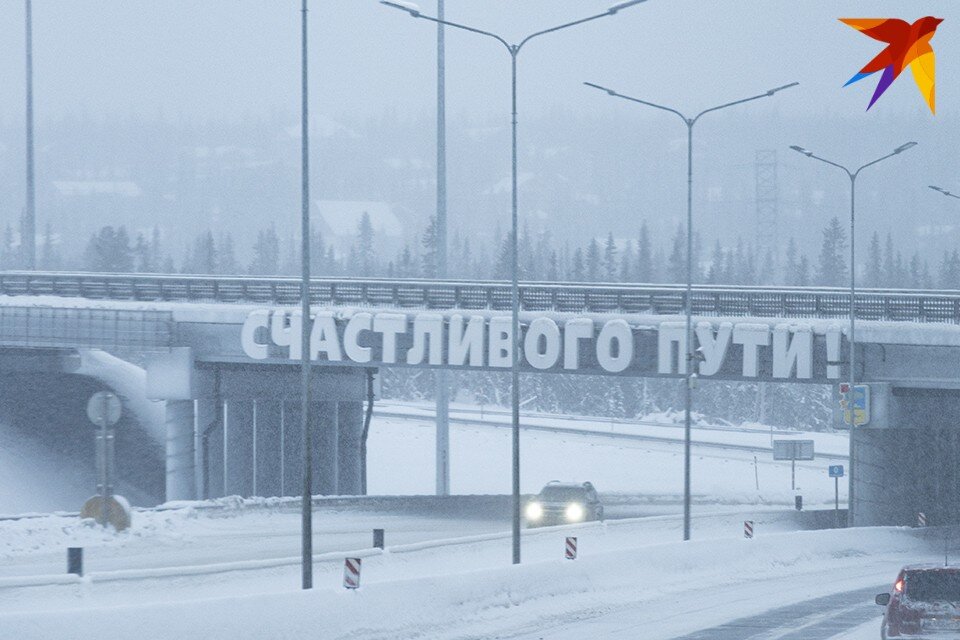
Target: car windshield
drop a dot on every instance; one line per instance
(557, 494)
(933, 586)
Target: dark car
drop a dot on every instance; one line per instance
(561, 503)
(924, 602)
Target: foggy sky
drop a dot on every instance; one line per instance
(239, 59)
(221, 58)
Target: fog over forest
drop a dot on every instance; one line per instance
(185, 121)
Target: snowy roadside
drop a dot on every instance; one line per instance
(464, 589)
(660, 425)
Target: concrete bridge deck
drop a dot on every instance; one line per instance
(221, 355)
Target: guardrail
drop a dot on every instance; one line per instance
(904, 305)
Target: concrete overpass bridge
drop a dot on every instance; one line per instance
(219, 355)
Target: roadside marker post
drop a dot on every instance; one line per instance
(378, 538)
(748, 529)
(351, 573)
(75, 561)
(921, 519)
(570, 549)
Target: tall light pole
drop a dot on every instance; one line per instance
(853, 281)
(443, 399)
(306, 505)
(514, 51)
(689, 361)
(28, 226)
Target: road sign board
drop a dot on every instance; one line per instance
(104, 405)
(836, 471)
(793, 449)
(860, 402)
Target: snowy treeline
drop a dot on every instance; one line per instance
(643, 259)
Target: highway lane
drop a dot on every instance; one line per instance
(186, 537)
(823, 604)
(816, 619)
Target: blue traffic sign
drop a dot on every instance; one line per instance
(836, 471)
(860, 402)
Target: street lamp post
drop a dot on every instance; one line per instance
(514, 51)
(28, 233)
(690, 358)
(852, 175)
(442, 440)
(306, 506)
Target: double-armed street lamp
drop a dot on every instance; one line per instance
(690, 357)
(852, 175)
(514, 50)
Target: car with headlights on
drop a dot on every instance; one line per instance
(924, 602)
(564, 503)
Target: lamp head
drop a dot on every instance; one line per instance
(941, 190)
(623, 5)
(409, 7)
(904, 147)
(786, 86)
(801, 150)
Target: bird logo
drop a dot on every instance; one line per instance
(907, 44)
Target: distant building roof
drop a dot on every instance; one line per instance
(343, 217)
(123, 188)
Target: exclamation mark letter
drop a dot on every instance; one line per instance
(833, 353)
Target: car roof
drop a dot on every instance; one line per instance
(568, 485)
(931, 567)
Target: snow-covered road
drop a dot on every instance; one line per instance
(815, 585)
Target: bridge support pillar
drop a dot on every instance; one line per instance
(292, 439)
(210, 454)
(900, 472)
(236, 430)
(906, 462)
(326, 429)
(351, 432)
(179, 423)
(238, 473)
(267, 464)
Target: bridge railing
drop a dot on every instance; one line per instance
(718, 300)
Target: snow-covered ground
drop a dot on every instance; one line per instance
(401, 454)
(480, 460)
(191, 572)
(622, 586)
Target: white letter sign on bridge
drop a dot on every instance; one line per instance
(610, 346)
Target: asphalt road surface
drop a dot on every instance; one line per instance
(816, 619)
